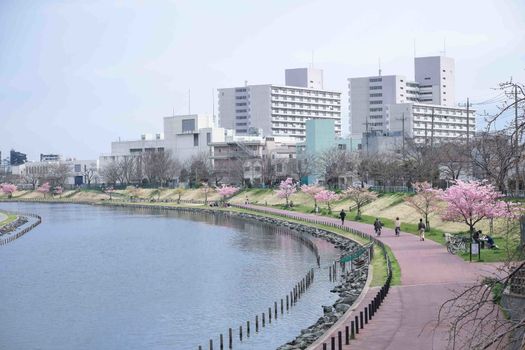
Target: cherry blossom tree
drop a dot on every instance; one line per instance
(44, 189)
(227, 191)
(58, 190)
(286, 189)
(312, 190)
(8, 189)
(360, 196)
(326, 196)
(471, 202)
(425, 201)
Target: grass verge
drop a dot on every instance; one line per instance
(10, 218)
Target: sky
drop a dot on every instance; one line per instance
(77, 75)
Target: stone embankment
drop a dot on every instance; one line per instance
(12, 226)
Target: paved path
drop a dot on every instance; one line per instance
(429, 275)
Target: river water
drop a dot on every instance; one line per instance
(92, 277)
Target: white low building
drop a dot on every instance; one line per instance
(184, 136)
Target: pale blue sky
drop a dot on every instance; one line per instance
(76, 75)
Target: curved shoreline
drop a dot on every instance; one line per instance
(350, 292)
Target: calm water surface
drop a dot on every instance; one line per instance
(92, 277)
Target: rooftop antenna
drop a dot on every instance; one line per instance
(312, 64)
(173, 112)
(379, 63)
(189, 101)
(415, 48)
(444, 46)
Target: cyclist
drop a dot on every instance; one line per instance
(398, 226)
(377, 226)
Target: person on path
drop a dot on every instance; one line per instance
(342, 215)
(421, 227)
(398, 226)
(377, 226)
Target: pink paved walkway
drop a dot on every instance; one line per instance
(429, 275)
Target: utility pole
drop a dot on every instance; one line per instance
(367, 134)
(468, 122)
(432, 130)
(516, 139)
(403, 138)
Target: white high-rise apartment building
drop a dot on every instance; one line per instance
(370, 98)
(280, 110)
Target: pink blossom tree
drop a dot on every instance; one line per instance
(360, 196)
(227, 191)
(8, 189)
(471, 202)
(58, 190)
(326, 196)
(312, 190)
(286, 189)
(425, 201)
(44, 189)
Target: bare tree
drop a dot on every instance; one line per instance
(89, 172)
(127, 167)
(111, 172)
(160, 167)
(199, 169)
(334, 163)
(267, 171)
(454, 158)
(493, 156)
(304, 165)
(58, 174)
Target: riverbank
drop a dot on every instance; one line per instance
(348, 290)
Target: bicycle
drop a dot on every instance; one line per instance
(456, 244)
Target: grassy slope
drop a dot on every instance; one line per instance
(388, 207)
(10, 218)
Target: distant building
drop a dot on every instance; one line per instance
(280, 110)
(80, 172)
(254, 160)
(49, 157)
(378, 104)
(321, 137)
(17, 158)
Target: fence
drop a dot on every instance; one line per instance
(369, 311)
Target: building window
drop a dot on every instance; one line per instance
(376, 95)
(240, 90)
(375, 80)
(376, 102)
(188, 125)
(376, 87)
(78, 168)
(196, 140)
(241, 104)
(208, 138)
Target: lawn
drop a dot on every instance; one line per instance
(10, 218)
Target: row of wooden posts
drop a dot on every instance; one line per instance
(369, 311)
(287, 302)
(22, 232)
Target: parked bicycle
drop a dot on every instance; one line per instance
(456, 244)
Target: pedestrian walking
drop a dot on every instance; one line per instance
(397, 226)
(377, 227)
(421, 227)
(342, 215)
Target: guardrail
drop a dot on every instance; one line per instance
(25, 230)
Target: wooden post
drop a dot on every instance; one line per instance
(263, 320)
(230, 340)
(282, 306)
(248, 329)
(211, 344)
(275, 309)
(287, 305)
(240, 333)
(256, 323)
(269, 315)
(221, 342)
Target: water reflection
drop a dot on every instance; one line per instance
(109, 278)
